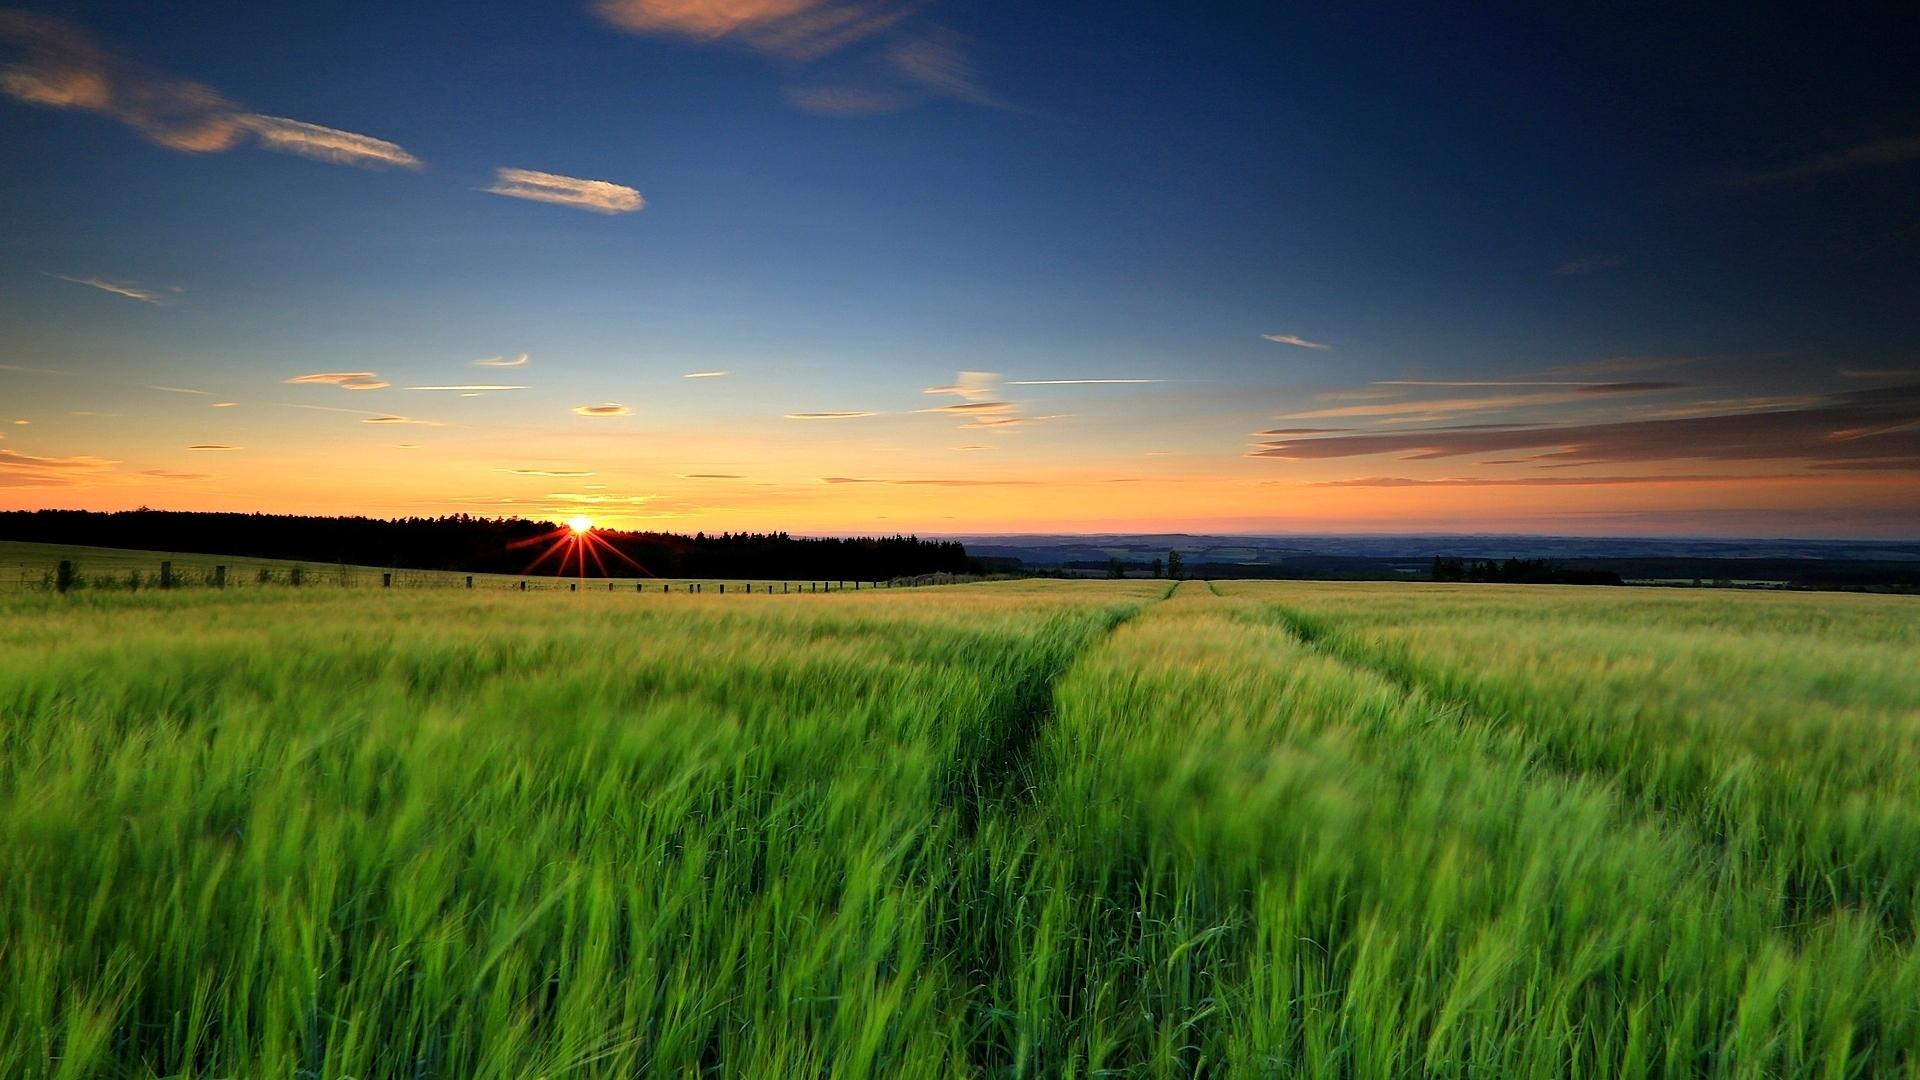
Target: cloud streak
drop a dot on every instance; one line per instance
(345, 380)
(598, 196)
(502, 361)
(799, 30)
(1860, 430)
(706, 374)
(608, 409)
(1295, 340)
(331, 145)
(828, 415)
(62, 67)
(131, 292)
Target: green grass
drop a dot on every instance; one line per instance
(1033, 829)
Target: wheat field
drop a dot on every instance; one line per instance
(1047, 828)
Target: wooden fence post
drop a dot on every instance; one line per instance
(723, 588)
(166, 574)
(749, 586)
(219, 577)
(293, 577)
(63, 578)
(469, 581)
(386, 581)
(573, 586)
(523, 586)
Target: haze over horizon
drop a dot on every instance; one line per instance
(953, 268)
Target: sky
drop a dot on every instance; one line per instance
(838, 266)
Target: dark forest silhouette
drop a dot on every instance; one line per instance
(485, 545)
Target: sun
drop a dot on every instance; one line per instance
(581, 525)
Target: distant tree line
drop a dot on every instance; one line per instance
(488, 545)
(1520, 571)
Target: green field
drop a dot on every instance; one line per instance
(1045, 828)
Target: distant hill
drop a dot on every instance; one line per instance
(1786, 563)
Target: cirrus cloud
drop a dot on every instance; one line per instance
(598, 196)
(64, 68)
(1295, 339)
(345, 380)
(608, 409)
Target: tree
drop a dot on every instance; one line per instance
(1156, 566)
(1114, 569)
(1173, 564)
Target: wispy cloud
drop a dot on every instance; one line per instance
(64, 68)
(1008, 421)
(19, 470)
(548, 472)
(938, 61)
(973, 408)
(793, 29)
(711, 476)
(180, 390)
(608, 409)
(706, 374)
(1879, 373)
(223, 405)
(1893, 151)
(389, 419)
(971, 385)
(502, 361)
(1437, 407)
(1878, 428)
(470, 388)
(13, 459)
(599, 196)
(345, 380)
(1295, 339)
(212, 446)
(117, 288)
(330, 145)
(828, 415)
(169, 474)
(1589, 265)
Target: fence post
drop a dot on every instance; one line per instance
(573, 586)
(63, 579)
(723, 588)
(609, 586)
(469, 581)
(293, 577)
(166, 574)
(749, 586)
(523, 586)
(386, 581)
(219, 577)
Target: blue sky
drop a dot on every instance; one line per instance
(1265, 213)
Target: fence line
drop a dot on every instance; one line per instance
(68, 575)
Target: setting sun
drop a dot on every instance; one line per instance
(580, 525)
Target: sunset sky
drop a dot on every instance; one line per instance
(857, 265)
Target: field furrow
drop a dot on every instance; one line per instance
(1746, 723)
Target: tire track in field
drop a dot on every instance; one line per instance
(996, 788)
(1680, 814)
(1001, 778)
